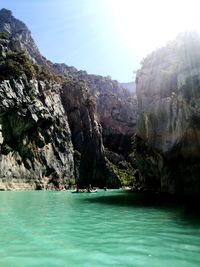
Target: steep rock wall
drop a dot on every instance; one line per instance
(101, 114)
(36, 148)
(90, 161)
(168, 129)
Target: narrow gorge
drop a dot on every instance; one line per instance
(59, 125)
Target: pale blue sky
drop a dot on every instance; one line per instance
(106, 37)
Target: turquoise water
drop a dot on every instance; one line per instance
(103, 229)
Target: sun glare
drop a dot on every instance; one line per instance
(152, 23)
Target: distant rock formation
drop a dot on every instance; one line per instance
(21, 35)
(131, 87)
(168, 128)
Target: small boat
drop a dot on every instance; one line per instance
(79, 191)
(93, 191)
(84, 191)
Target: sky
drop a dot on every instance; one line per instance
(105, 37)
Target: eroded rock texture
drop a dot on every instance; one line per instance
(58, 123)
(168, 129)
(36, 148)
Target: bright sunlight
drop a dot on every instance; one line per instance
(145, 25)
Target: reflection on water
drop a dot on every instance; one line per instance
(103, 229)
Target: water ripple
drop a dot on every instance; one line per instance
(105, 229)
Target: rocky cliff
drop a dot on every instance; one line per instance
(115, 106)
(35, 139)
(168, 129)
(58, 123)
(114, 113)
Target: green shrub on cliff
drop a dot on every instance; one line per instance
(4, 35)
(18, 63)
(90, 102)
(43, 73)
(125, 173)
(72, 182)
(15, 64)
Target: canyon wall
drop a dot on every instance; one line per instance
(58, 125)
(168, 128)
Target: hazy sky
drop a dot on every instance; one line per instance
(106, 37)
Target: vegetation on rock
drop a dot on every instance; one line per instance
(39, 99)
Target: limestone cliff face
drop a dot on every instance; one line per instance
(55, 120)
(91, 164)
(107, 139)
(35, 140)
(116, 107)
(168, 129)
(21, 35)
(36, 151)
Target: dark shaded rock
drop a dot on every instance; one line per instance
(92, 167)
(114, 112)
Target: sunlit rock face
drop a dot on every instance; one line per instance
(58, 123)
(36, 151)
(21, 35)
(168, 128)
(35, 139)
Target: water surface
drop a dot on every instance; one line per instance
(51, 229)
